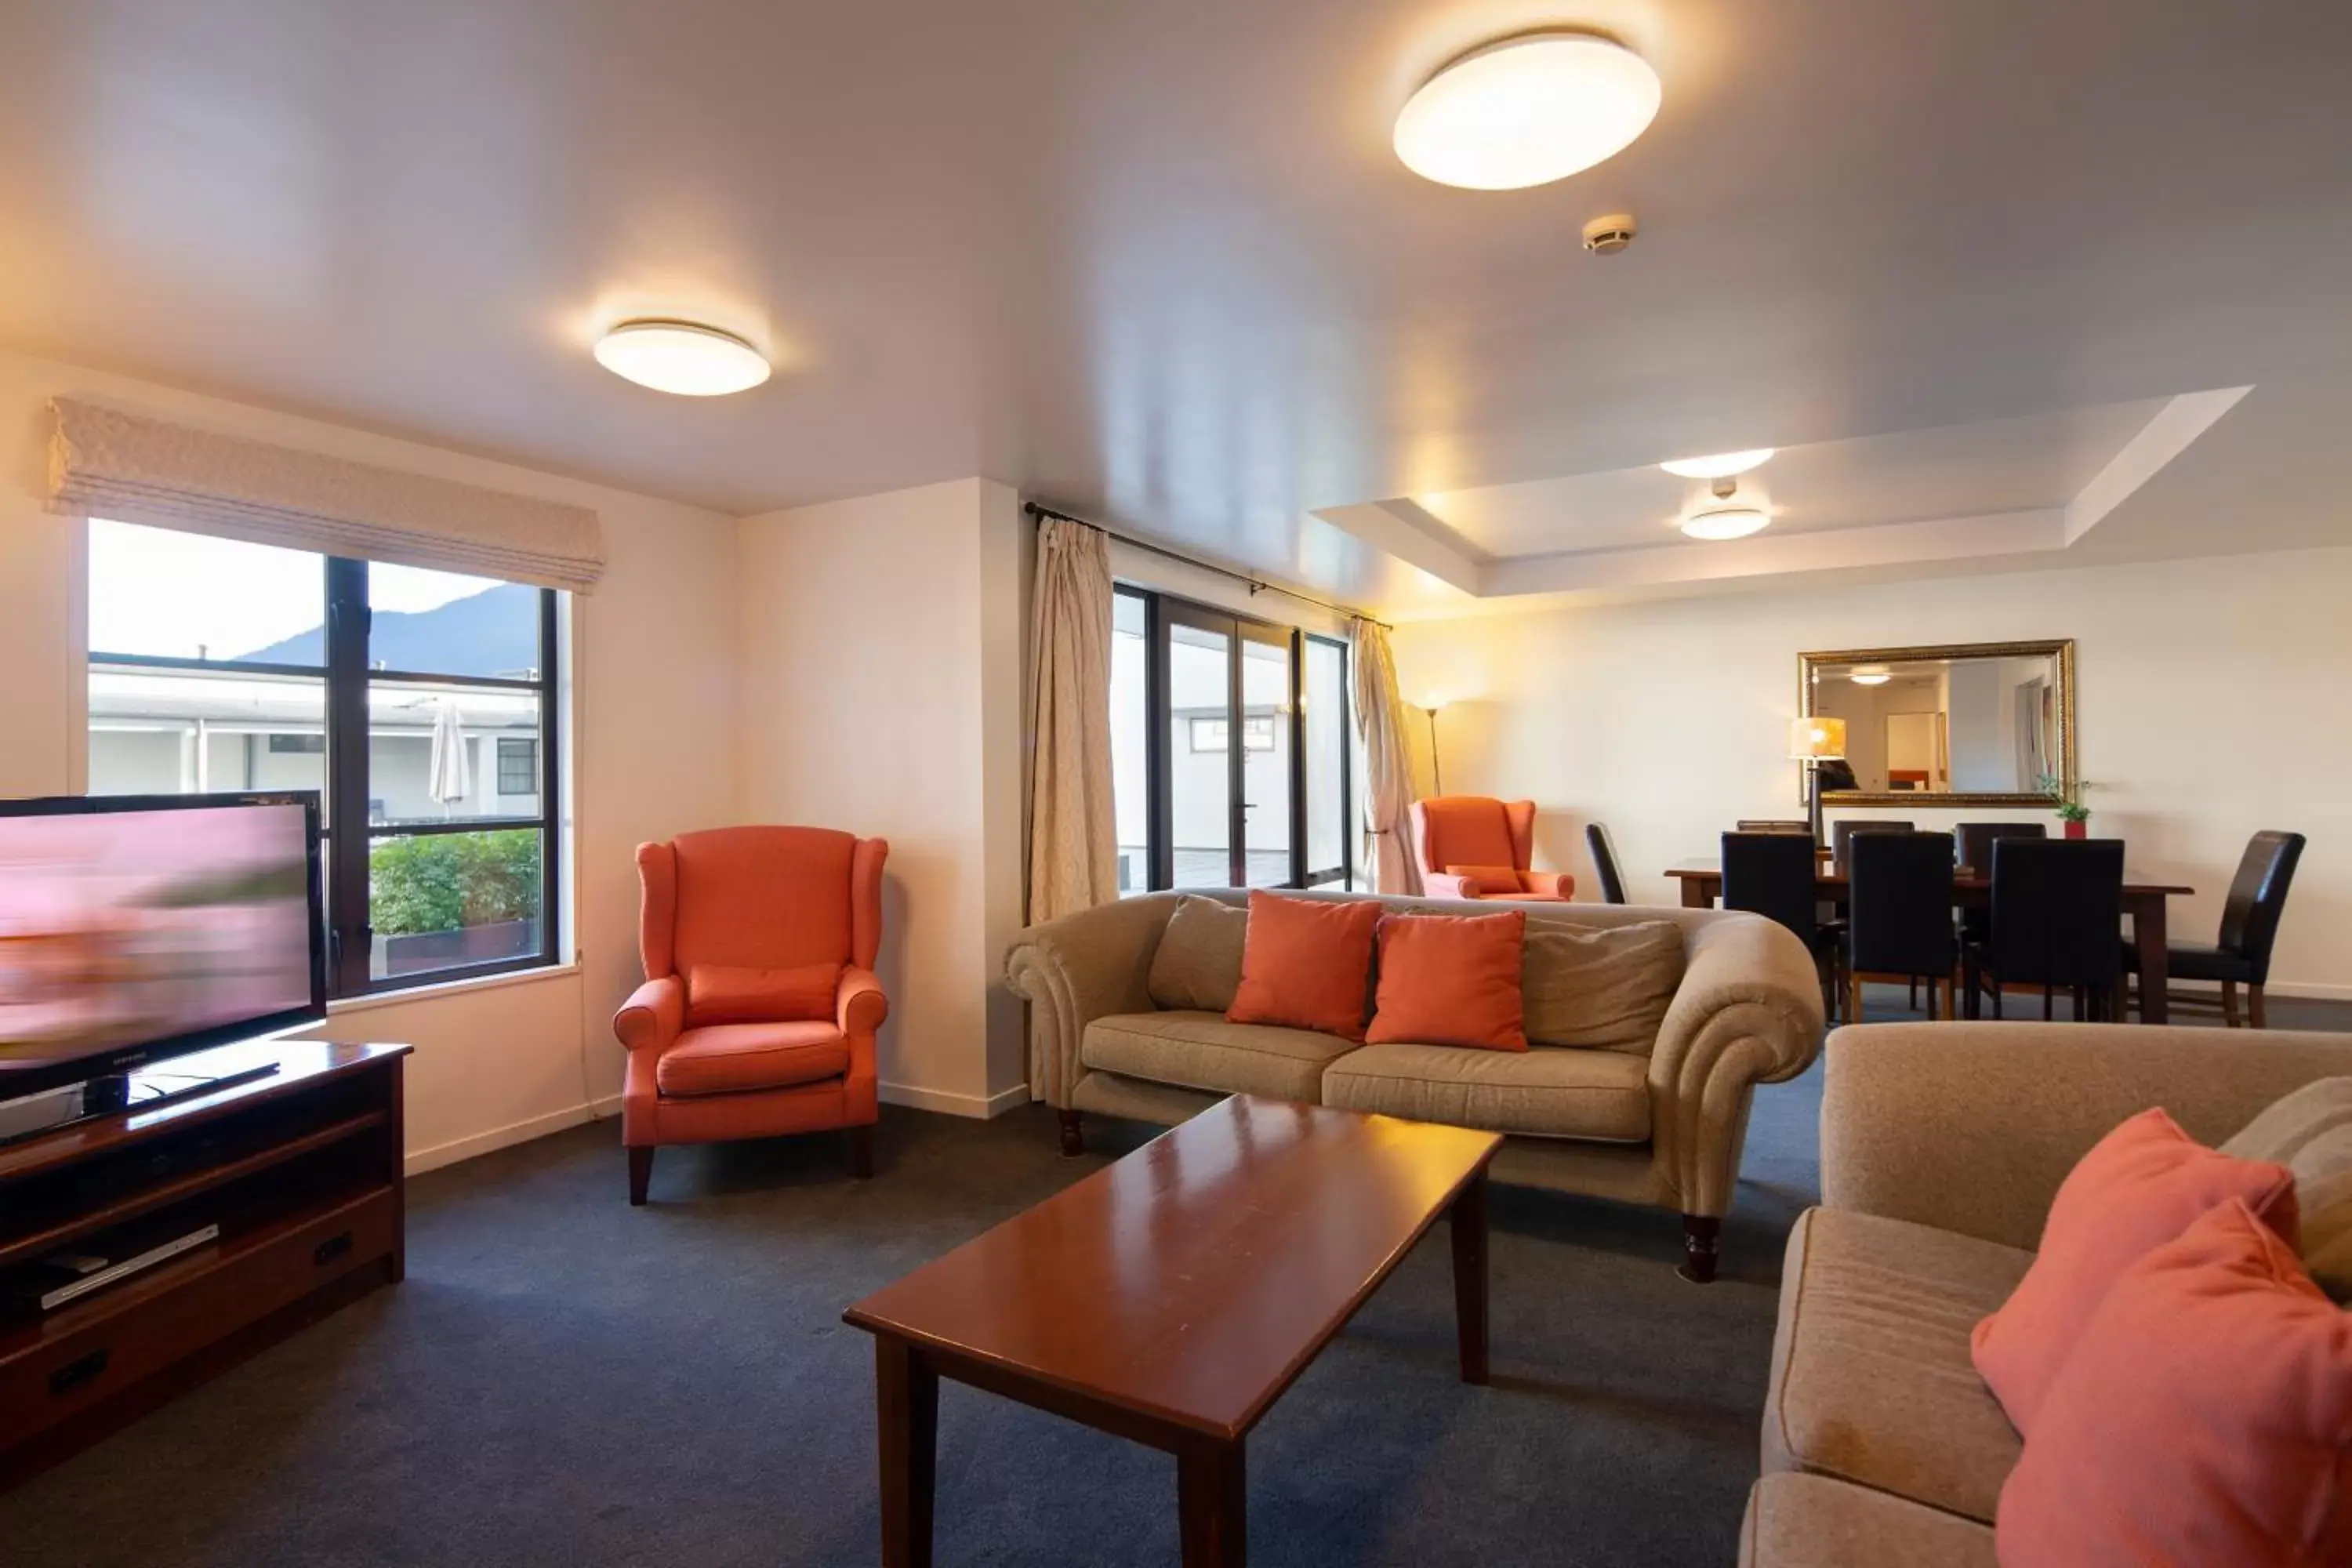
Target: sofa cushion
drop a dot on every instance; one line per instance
(2310, 1132)
(724, 993)
(1604, 987)
(1812, 1521)
(738, 1058)
(2140, 1186)
(1198, 964)
(1202, 1050)
(2205, 1417)
(1307, 963)
(1450, 980)
(1871, 1380)
(1545, 1092)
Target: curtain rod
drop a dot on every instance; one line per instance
(1256, 584)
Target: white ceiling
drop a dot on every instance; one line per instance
(1157, 264)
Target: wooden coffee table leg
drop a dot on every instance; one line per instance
(1467, 1220)
(1212, 1504)
(907, 1393)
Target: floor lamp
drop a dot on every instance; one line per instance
(1814, 740)
(1436, 773)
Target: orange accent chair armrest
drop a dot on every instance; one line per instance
(652, 1015)
(1548, 884)
(860, 1006)
(1438, 885)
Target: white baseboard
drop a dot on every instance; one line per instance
(422, 1160)
(978, 1107)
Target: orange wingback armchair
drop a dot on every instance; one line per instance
(758, 1012)
(1475, 847)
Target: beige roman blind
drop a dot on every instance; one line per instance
(128, 468)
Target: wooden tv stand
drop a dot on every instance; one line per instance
(301, 1171)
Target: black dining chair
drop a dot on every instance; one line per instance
(2056, 921)
(1899, 916)
(1974, 840)
(1604, 861)
(2250, 920)
(1841, 835)
(1773, 875)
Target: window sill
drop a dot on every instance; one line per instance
(407, 994)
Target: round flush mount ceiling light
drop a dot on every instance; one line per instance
(681, 357)
(1527, 111)
(1726, 523)
(1872, 676)
(1722, 466)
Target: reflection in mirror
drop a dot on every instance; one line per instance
(1984, 723)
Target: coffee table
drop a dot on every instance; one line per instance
(1170, 1297)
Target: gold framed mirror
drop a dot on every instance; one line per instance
(1960, 724)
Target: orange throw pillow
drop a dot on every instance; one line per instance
(1450, 980)
(1306, 964)
(2205, 1418)
(720, 993)
(1488, 880)
(2140, 1187)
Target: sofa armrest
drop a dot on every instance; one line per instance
(1548, 884)
(1971, 1127)
(1079, 968)
(1748, 1011)
(652, 1015)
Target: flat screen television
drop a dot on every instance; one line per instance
(138, 928)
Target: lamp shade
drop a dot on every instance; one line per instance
(1816, 738)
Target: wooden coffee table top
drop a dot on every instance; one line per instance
(1191, 1281)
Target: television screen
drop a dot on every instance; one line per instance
(136, 929)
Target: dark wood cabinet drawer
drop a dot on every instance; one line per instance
(90, 1350)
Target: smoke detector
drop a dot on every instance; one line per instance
(1608, 235)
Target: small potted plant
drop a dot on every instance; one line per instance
(2071, 809)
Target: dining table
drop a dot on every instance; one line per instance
(2145, 901)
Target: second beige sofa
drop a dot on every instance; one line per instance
(1657, 1122)
(1942, 1145)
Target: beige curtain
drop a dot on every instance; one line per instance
(1072, 832)
(1388, 786)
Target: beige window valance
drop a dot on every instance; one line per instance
(106, 463)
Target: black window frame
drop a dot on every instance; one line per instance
(1159, 609)
(348, 830)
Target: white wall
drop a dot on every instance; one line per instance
(2212, 700)
(881, 668)
(653, 671)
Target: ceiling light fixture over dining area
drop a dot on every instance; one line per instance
(1527, 111)
(1721, 466)
(1722, 522)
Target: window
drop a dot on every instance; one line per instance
(1192, 811)
(420, 705)
(518, 765)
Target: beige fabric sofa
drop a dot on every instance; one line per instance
(1942, 1145)
(1661, 1126)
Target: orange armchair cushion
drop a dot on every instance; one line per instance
(734, 1058)
(1307, 964)
(2205, 1417)
(1486, 882)
(725, 994)
(1450, 980)
(2139, 1187)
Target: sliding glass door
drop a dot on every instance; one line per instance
(1229, 742)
